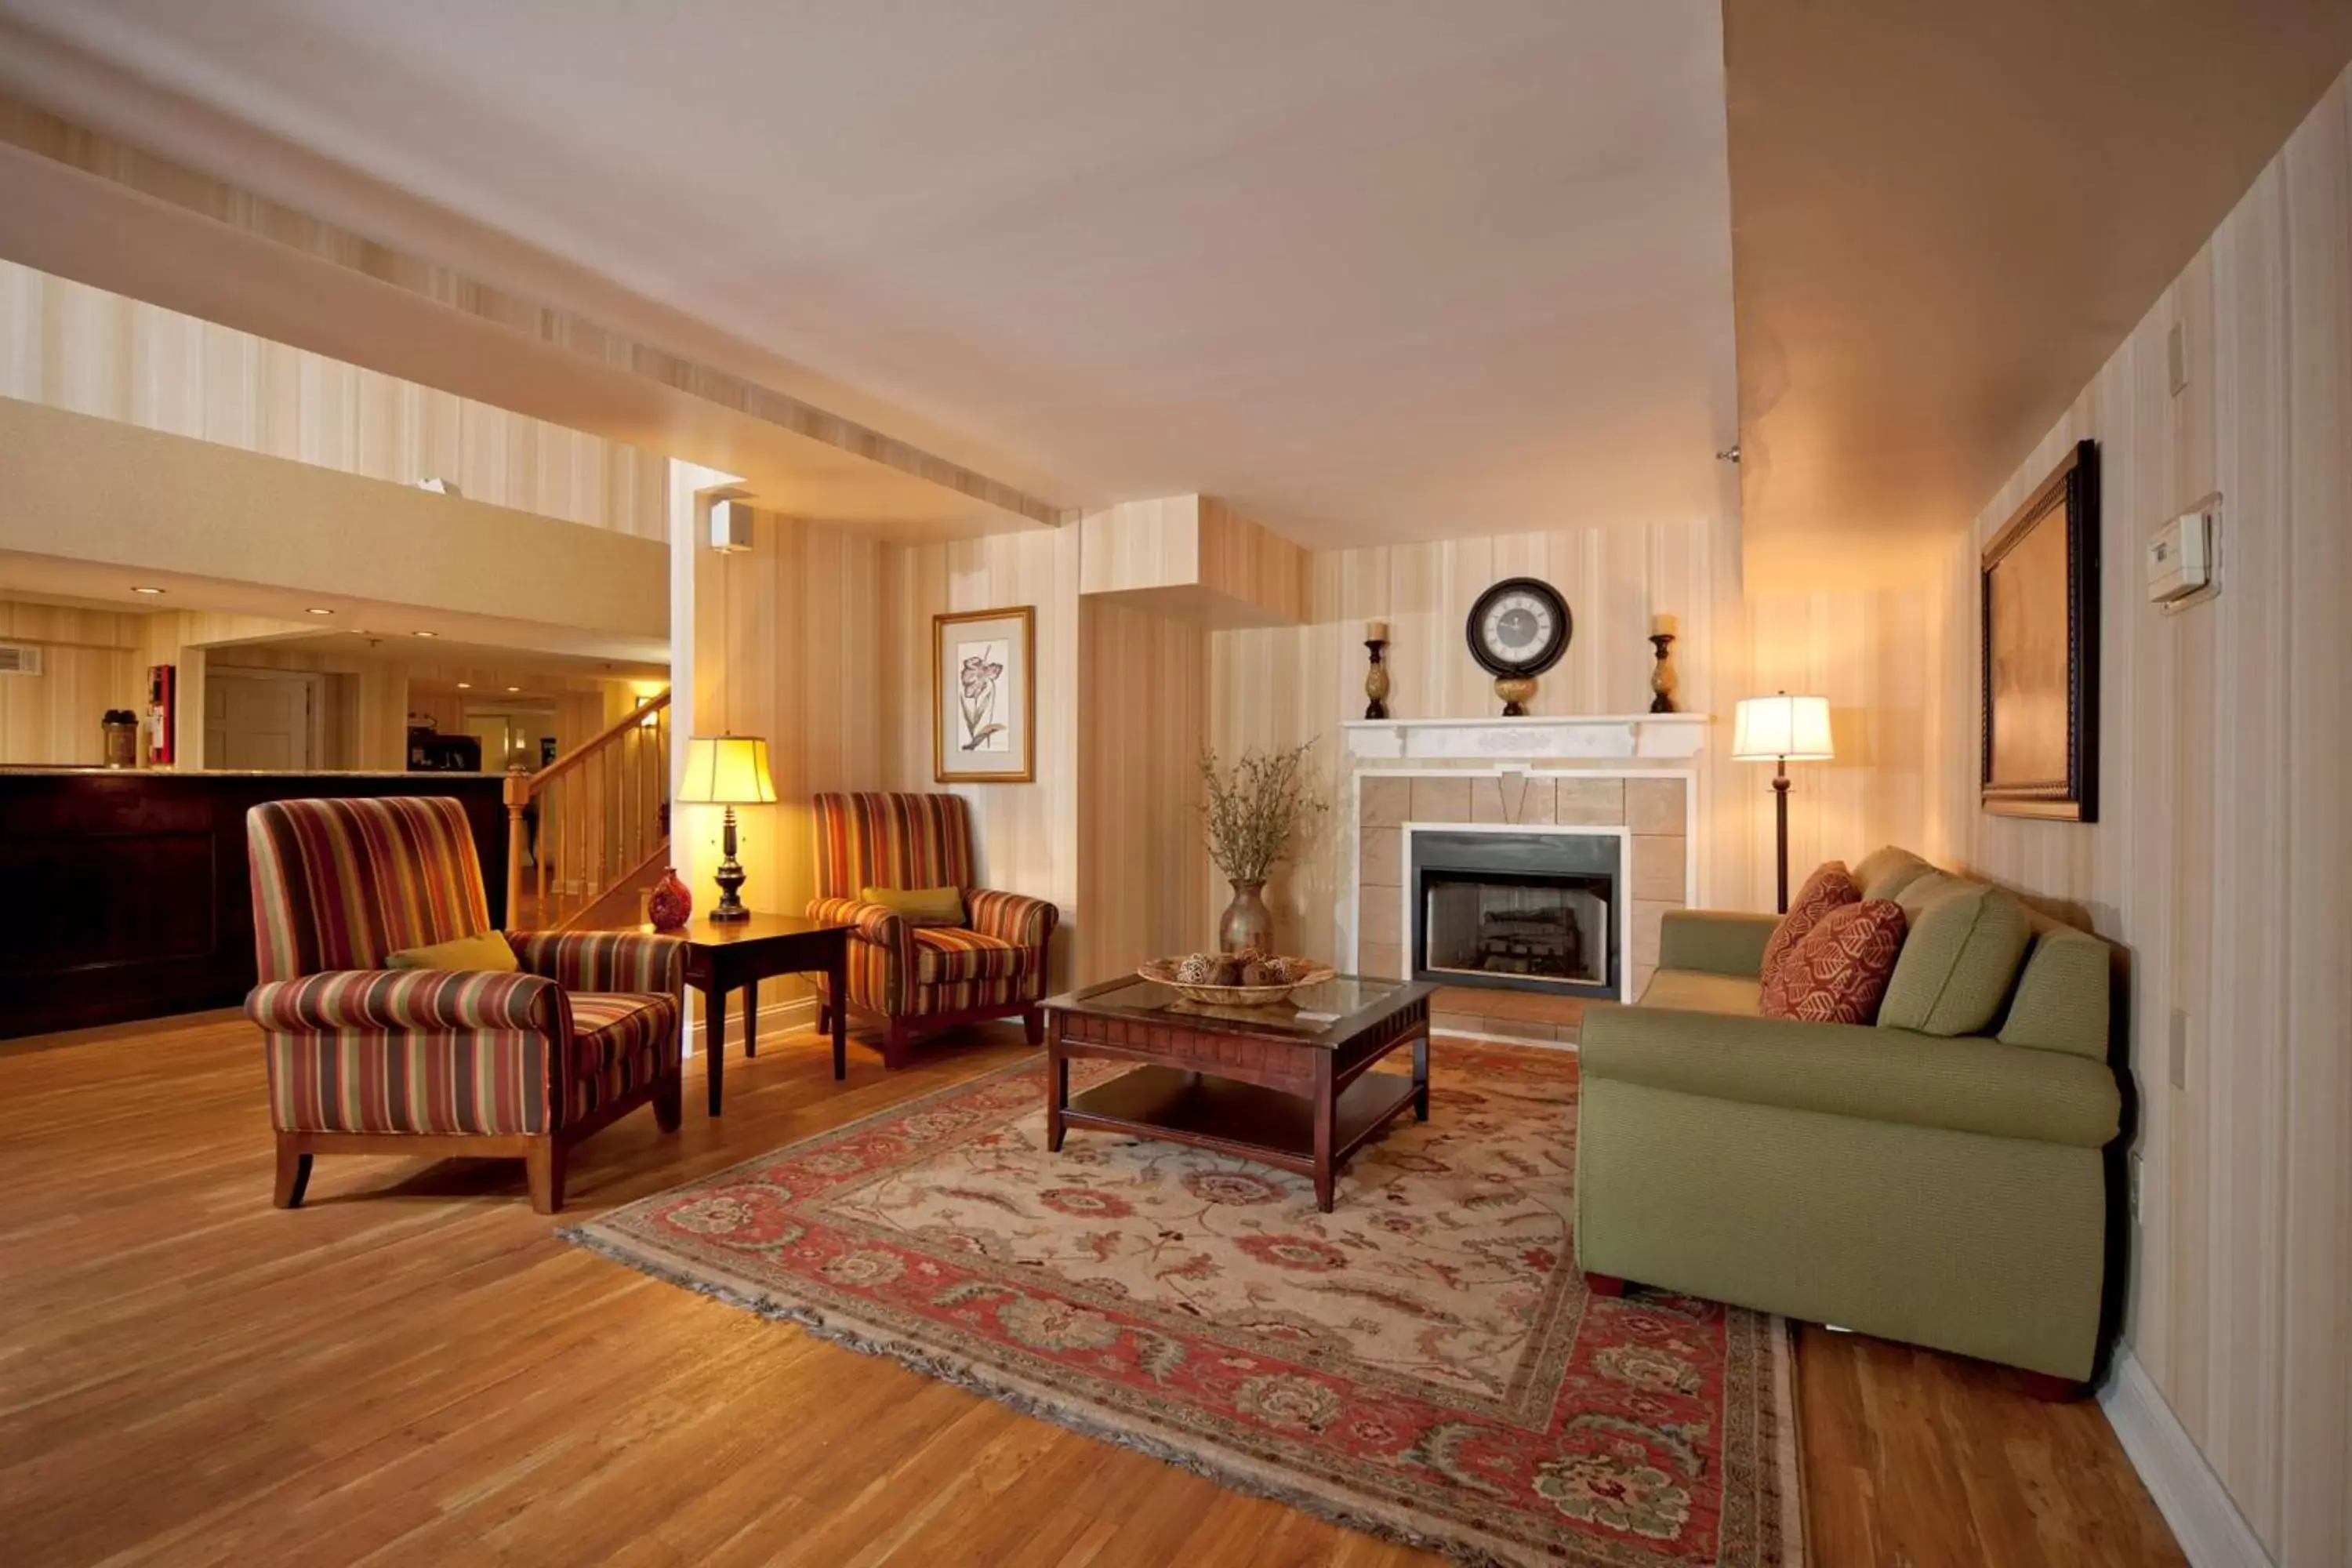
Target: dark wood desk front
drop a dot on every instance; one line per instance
(126, 894)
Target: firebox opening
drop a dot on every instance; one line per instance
(1533, 928)
(1517, 909)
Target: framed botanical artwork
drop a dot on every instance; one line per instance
(984, 697)
(2040, 595)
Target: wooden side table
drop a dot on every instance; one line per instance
(721, 958)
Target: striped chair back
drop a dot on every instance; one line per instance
(337, 884)
(891, 841)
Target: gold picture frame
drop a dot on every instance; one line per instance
(985, 696)
(2039, 592)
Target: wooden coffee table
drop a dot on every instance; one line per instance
(1290, 1085)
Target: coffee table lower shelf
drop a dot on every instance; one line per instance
(1241, 1118)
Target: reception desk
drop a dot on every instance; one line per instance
(124, 895)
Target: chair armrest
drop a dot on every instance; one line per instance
(1717, 941)
(603, 960)
(877, 924)
(406, 1001)
(1968, 1084)
(1011, 917)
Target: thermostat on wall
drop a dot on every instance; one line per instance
(2181, 554)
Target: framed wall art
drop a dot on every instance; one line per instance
(984, 697)
(2040, 597)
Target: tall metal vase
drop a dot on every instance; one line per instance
(1246, 922)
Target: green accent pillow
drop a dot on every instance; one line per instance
(1886, 871)
(1958, 961)
(487, 949)
(919, 906)
(2061, 994)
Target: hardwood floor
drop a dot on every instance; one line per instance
(414, 1369)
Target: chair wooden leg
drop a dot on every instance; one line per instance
(893, 1044)
(824, 1014)
(293, 1173)
(1033, 1023)
(544, 1165)
(669, 1101)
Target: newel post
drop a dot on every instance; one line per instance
(517, 794)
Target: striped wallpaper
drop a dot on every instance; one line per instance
(74, 347)
(2221, 861)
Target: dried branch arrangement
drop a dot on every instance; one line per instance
(1256, 809)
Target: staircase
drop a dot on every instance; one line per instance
(588, 835)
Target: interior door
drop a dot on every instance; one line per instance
(260, 719)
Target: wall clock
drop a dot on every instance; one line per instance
(1517, 629)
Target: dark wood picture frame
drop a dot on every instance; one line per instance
(2068, 500)
(1021, 630)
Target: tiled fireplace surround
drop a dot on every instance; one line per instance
(1654, 806)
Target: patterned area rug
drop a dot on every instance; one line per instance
(1424, 1362)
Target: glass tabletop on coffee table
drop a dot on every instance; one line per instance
(1333, 1008)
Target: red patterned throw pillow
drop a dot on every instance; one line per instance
(1838, 973)
(1830, 886)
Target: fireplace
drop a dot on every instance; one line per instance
(1517, 909)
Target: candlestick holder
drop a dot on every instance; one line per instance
(1376, 680)
(1662, 675)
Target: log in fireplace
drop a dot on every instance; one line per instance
(1521, 910)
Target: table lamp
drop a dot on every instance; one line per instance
(1781, 730)
(728, 771)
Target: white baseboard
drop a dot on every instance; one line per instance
(776, 1019)
(2212, 1531)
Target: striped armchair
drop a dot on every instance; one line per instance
(909, 977)
(365, 1059)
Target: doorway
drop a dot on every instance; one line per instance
(263, 720)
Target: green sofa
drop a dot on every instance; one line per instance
(1937, 1178)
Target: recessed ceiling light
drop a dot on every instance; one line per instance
(424, 634)
(148, 591)
(316, 610)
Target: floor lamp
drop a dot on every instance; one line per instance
(1781, 730)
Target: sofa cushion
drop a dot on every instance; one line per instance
(2062, 993)
(1959, 959)
(1830, 886)
(1967, 1086)
(1887, 871)
(948, 955)
(1721, 941)
(1697, 991)
(1838, 973)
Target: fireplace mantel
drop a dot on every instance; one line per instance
(1664, 736)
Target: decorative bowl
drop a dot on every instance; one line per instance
(1162, 972)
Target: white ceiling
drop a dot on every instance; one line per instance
(1372, 271)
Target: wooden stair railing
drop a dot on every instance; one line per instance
(586, 826)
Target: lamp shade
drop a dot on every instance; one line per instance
(1782, 727)
(726, 770)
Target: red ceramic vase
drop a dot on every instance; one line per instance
(669, 906)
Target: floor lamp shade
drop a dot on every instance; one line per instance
(1771, 729)
(1781, 730)
(728, 771)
